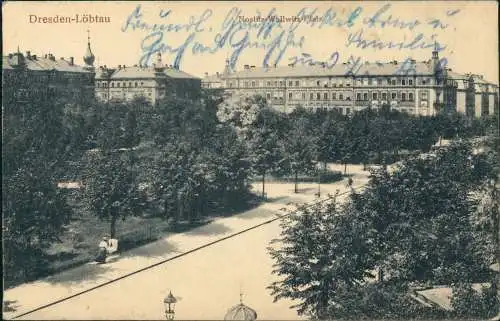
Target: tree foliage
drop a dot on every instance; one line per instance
(416, 224)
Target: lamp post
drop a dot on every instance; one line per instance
(169, 302)
(319, 182)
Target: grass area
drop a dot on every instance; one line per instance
(79, 243)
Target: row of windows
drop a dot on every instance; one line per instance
(313, 96)
(393, 81)
(394, 96)
(359, 96)
(118, 84)
(330, 83)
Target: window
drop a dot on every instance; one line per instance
(370, 81)
(379, 81)
(281, 83)
(374, 96)
(318, 96)
(393, 82)
(303, 96)
(403, 82)
(245, 84)
(317, 83)
(98, 85)
(347, 110)
(403, 97)
(393, 95)
(124, 84)
(142, 83)
(410, 96)
(290, 95)
(410, 82)
(268, 96)
(275, 83)
(384, 96)
(297, 83)
(365, 96)
(325, 96)
(253, 83)
(268, 84)
(118, 84)
(341, 97)
(136, 83)
(334, 96)
(290, 83)
(311, 96)
(358, 96)
(130, 84)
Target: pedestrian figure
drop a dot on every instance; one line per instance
(103, 248)
(349, 182)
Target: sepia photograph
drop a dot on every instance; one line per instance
(250, 160)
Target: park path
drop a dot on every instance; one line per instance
(27, 297)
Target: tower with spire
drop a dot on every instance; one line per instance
(89, 57)
(435, 58)
(227, 68)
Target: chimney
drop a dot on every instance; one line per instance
(71, 61)
(252, 67)
(246, 67)
(206, 74)
(217, 73)
(28, 54)
(34, 57)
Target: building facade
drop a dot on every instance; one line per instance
(420, 88)
(151, 82)
(28, 77)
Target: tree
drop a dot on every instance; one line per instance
(314, 258)
(110, 187)
(34, 215)
(299, 149)
(263, 144)
(240, 110)
(418, 224)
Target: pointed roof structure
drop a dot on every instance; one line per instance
(17, 60)
(241, 312)
(89, 57)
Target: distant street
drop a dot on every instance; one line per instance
(207, 281)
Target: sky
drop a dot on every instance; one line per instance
(212, 32)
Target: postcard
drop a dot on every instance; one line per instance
(274, 160)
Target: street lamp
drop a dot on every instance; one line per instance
(319, 182)
(169, 302)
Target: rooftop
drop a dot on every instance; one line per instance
(377, 68)
(46, 62)
(139, 72)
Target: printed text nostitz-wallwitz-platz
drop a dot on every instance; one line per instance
(76, 18)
